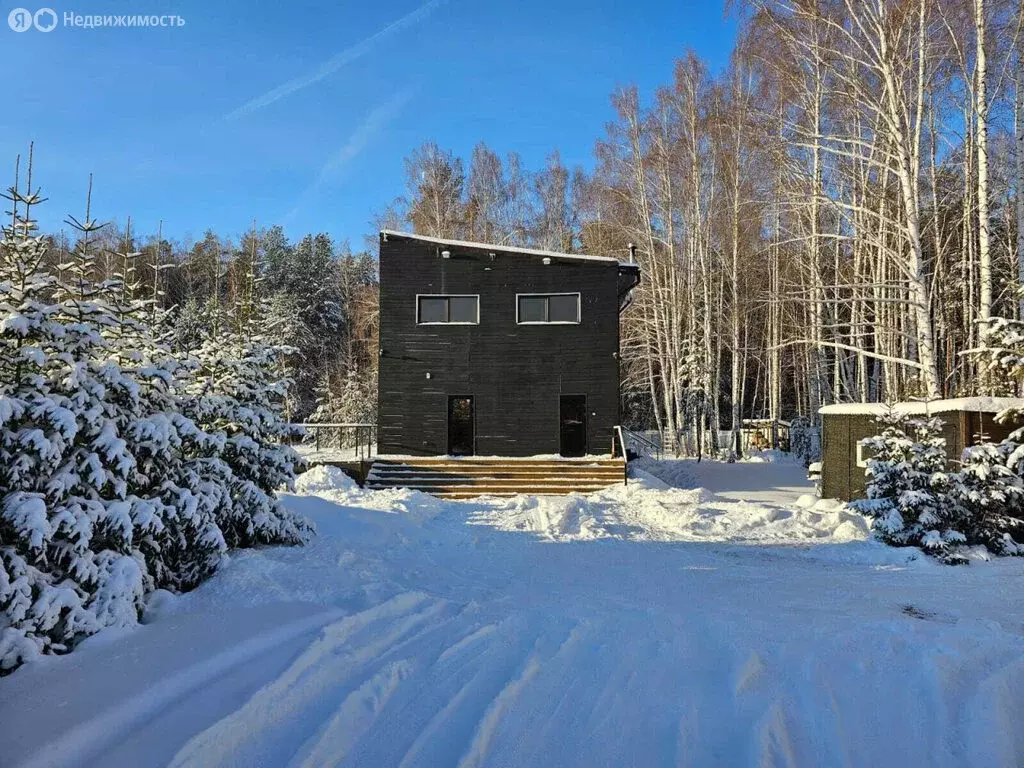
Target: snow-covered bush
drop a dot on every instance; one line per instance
(991, 486)
(110, 486)
(909, 488)
(990, 491)
(917, 500)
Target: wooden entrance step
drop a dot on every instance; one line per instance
(466, 477)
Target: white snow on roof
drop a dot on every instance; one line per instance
(501, 248)
(970, 404)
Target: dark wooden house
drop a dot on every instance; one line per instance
(965, 422)
(492, 350)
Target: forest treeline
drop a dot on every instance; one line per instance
(834, 217)
(319, 303)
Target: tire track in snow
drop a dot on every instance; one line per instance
(477, 754)
(285, 709)
(354, 717)
(91, 738)
(485, 731)
(437, 722)
(468, 640)
(462, 682)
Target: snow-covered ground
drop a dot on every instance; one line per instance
(703, 615)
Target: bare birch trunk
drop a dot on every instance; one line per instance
(981, 111)
(1019, 128)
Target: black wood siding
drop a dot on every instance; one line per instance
(515, 373)
(841, 478)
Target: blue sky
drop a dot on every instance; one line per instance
(301, 113)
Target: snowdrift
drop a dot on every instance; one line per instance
(731, 622)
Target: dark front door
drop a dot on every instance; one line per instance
(460, 425)
(573, 420)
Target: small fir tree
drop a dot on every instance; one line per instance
(68, 519)
(990, 491)
(909, 488)
(123, 467)
(238, 391)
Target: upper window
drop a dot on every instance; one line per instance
(547, 308)
(454, 310)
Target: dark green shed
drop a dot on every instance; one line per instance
(965, 421)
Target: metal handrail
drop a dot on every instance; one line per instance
(617, 432)
(333, 424)
(654, 448)
(363, 433)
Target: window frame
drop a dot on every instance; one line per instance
(416, 308)
(862, 457)
(547, 311)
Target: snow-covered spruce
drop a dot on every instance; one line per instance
(908, 487)
(236, 394)
(108, 489)
(915, 500)
(990, 492)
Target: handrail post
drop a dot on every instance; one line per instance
(617, 431)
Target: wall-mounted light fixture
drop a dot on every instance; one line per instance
(428, 374)
(446, 254)
(546, 260)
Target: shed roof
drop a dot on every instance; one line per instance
(505, 248)
(969, 404)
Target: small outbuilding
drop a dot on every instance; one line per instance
(966, 421)
(761, 434)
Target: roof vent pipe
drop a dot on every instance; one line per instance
(632, 253)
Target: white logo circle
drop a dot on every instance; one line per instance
(44, 24)
(20, 19)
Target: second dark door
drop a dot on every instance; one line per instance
(573, 420)
(460, 425)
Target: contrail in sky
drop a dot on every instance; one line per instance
(336, 62)
(374, 121)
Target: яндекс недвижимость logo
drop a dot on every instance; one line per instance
(46, 19)
(22, 19)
